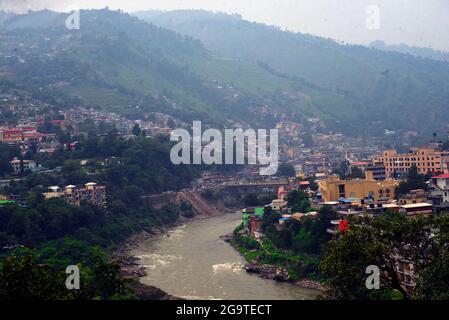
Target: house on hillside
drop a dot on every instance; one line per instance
(91, 193)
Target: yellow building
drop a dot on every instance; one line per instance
(333, 188)
(426, 160)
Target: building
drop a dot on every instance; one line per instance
(333, 188)
(378, 170)
(440, 191)
(278, 204)
(299, 216)
(255, 227)
(91, 193)
(416, 209)
(282, 193)
(406, 273)
(11, 135)
(414, 196)
(252, 219)
(20, 166)
(358, 164)
(373, 210)
(427, 160)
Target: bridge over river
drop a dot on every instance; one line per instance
(257, 186)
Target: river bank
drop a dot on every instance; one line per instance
(131, 268)
(191, 261)
(270, 271)
(130, 265)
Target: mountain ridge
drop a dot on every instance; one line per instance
(222, 72)
(358, 75)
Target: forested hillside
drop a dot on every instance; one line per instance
(360, 87)
(219, 69)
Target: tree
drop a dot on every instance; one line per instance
(344, 265)
(436, 270)
(298, 201)
(286, 170)
(7, 153)
(136, 130)
(23, 278)
(357, 173)
(380, 242)
(312, 235)
(88, 126)
(186, 209)
(342, 170)
(414, 181)
(251, 200)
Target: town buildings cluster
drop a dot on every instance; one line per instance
(370, 196)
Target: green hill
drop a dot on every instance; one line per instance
(114, 61)
(362, 88)
(219, 69)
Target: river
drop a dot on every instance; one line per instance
(194, 263)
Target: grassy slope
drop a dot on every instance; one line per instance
(348, 83)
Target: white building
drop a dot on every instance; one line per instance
(440, 191)
(17, 164)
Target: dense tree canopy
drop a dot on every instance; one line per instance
(23, 278)
(65, 234)
(286, 170)
(414, 181)
(381, 242)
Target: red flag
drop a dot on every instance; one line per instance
(344, 226)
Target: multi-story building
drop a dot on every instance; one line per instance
(334, 189)
(406, 272)
(440, 191)
(11, 135)
(427, 160)
(20, 166)
(74, 195)
(413, 196)
(378, 170)
(24, 134)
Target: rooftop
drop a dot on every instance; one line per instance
(360, 163)
(417, 205)
(442, 176)
(390, 205)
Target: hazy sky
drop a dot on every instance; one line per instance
(422, 23)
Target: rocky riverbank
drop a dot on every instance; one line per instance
(266, 271)
(145, 292)
(271, 272)
(132, 268)
(311, 284)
